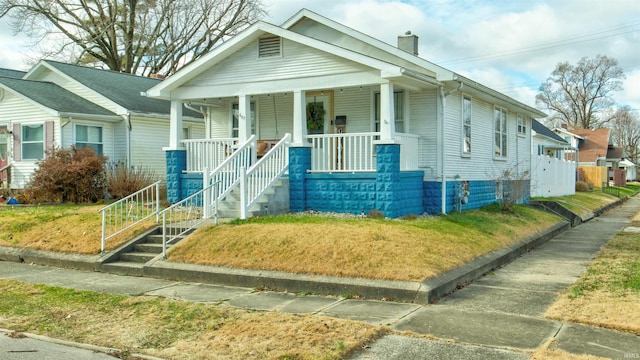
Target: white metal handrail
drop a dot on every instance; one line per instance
(182, 217)
(261, 176)
(227, 174)
(207, 153)
(351, 152)
(130, 211)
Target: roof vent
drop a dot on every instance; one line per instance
(269, 46)
(408, 42)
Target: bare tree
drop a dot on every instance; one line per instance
(577, 94)
(133, 36)
(625, 131)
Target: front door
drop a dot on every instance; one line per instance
(319, 112)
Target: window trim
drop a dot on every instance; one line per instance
(23, 141)
(85, 143)
(464, 125)
(503, 133)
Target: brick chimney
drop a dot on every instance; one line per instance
(408, 42)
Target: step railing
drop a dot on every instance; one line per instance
(227, 175)
(261, 176)
(130, 211)
(186, 215)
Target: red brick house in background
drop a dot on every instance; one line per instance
(596, 149)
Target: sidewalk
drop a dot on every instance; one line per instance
(499, 316)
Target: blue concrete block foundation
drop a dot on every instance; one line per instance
(481, 193)
(176, 163)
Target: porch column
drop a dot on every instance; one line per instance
(299, 118)
(175, 125)
(244, 118)
(387, 114)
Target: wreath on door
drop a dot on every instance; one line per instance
(315, 116)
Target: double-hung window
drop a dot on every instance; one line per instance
(398, 110)
(33, 142)
(235, 121)
(466, 125)
(522, 126)
(500, 133)
(91, 137)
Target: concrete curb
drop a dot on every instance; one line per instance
(423, 292)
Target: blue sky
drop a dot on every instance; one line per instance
(511, 46)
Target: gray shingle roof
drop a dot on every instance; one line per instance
(54, 97)
(16, 74)
(545, 131)
(122, 88)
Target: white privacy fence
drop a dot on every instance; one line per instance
(356, 152)
(552, 177)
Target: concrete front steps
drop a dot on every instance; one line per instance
(274, 201)
(131, 258)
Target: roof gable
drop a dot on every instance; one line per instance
(594, 144)
(53, 97)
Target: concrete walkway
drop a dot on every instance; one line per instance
(499, 316)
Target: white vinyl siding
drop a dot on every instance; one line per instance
(300, 62)
(423, 111)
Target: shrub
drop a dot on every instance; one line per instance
(123, 180)
(582, 186)
(68, 175)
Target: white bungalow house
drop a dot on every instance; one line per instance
(552, 171)
(57, 104)
(353, 124)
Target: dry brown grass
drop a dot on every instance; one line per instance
(608, 294)
(409, 250)
(61, 228)
(547, 352)
(177, 329)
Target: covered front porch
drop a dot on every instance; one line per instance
(338, 137)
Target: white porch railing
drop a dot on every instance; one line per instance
(130, 211)
(207, 153)
(263, 174)
(356, 152)
(343, 152)
(409, 150)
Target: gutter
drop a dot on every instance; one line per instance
(112, 118)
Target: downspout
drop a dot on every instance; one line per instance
(441, 113)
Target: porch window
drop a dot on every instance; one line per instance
(33, 142)
(91, 137)
(500, 138)
(186, 133)
(4, 144)
(466, 125)
(398, 109)
(522, 126)
(234, 119)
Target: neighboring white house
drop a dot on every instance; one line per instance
(552, 174)
(630, 168)
(59, 105)
(373, 126)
